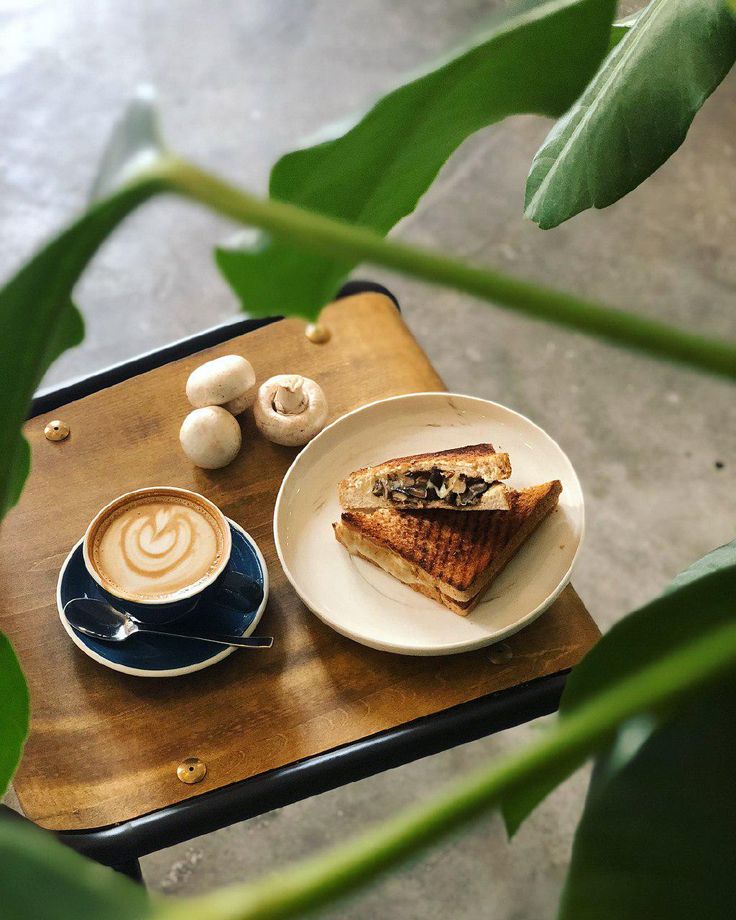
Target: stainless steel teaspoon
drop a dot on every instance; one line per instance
(100, 620)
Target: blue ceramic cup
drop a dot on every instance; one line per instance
(154, 551)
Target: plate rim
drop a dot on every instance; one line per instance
(168, 672)
(455, 648)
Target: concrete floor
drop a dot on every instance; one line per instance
(241, 82)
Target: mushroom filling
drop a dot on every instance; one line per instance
(456, 489)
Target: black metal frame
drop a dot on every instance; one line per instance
(121, 845)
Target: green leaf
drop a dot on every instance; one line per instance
(37, 316)
(32, 339)
(40, 320)
(636, 111)
(536, 60)
(682, 674)
(656, 838)
(41, 879)
(720, 558)
(620, 28)
(697, 599)
(330, 238)
(135, 147)
(14, 713)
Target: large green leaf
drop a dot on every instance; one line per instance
(14, 713)
(41, 879)
(37, 316)
(720, 558)
(536, 60)
(637, 110)
(135, 150)
(656, 839)
(701, 597)
(39, 320)
(676, 677)
(620, 28)
(31, 341)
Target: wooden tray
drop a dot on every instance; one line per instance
(104, 747)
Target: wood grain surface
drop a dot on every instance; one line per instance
(104, 746)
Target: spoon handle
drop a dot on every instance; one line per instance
(239, 641)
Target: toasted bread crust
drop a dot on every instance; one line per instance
(470, 452)
(459, 607)
(450, 554)
(355, 491)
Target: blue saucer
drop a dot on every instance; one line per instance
(162, 656)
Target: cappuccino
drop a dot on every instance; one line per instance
(157, 545)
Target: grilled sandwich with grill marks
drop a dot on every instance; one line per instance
(449, 557)
(463, 478)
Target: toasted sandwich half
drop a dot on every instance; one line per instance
(449, 557)
(464, 478)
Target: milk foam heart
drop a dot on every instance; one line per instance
(156, 544)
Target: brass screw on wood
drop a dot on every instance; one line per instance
(56, 431)
(317, 333)
(191, 770)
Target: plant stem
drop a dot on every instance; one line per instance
(575, 737)
(336, 238)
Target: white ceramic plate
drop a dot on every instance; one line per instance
(364, 603)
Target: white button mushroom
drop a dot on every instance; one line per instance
(222, 382)
(210, 437)
(239, 404)
(290, 409)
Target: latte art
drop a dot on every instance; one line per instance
(157, 545)
(157, 541)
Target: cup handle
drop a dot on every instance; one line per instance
(237, 589)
